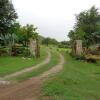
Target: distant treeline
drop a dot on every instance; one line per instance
(51, 41)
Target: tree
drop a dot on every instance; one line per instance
(46, 41)
(64, 44)
(7, 16)
(89, 23)
(29, 32)
(50, 41)
(87, 26)
(53, 41)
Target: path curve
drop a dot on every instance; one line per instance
(30, 89)
(54, 69)
(46, 61)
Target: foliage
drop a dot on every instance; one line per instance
(25, 33)
(77, 81)
(41, 38)
(7, 16)
(18, 35)
(4, 51)
(64, 44)
(54, 60)
(11, 64)
(87, 27)
(49, 41)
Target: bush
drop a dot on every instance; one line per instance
(3, 51)
(62, 46)
(16, 51)
(20, 51)
(91, 60)
(81, 58)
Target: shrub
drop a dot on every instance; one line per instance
(81, 58)
(20, 51)
(3, 51)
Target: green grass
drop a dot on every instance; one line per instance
(78, 81)
(12, 64)
(54, 60)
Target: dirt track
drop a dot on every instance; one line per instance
(30, 89)
(31, 68)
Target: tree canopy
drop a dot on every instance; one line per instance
(50, 41)
(8, 16)
(87, 27)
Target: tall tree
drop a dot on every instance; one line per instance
(87, 26)
(7, 16)
(89, 23)
(29, 32)
(49, 41)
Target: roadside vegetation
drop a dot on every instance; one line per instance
(10, 64)
(22, 47)
(54, 61)
(77, 81)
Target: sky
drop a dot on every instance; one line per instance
(54, 18)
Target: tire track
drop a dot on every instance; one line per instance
(30, 89)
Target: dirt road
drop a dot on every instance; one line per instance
(30, 89)
(31, 68)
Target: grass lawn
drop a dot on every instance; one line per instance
(54, 60)
(78, 81)
(12, 64)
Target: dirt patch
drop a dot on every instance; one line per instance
(46, 61)
(30, 89)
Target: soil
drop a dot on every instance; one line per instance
(29, 89)
(46, 61)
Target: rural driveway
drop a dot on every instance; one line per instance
(30, 89)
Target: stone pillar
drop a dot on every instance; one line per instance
(34, 48)
(79, 49)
